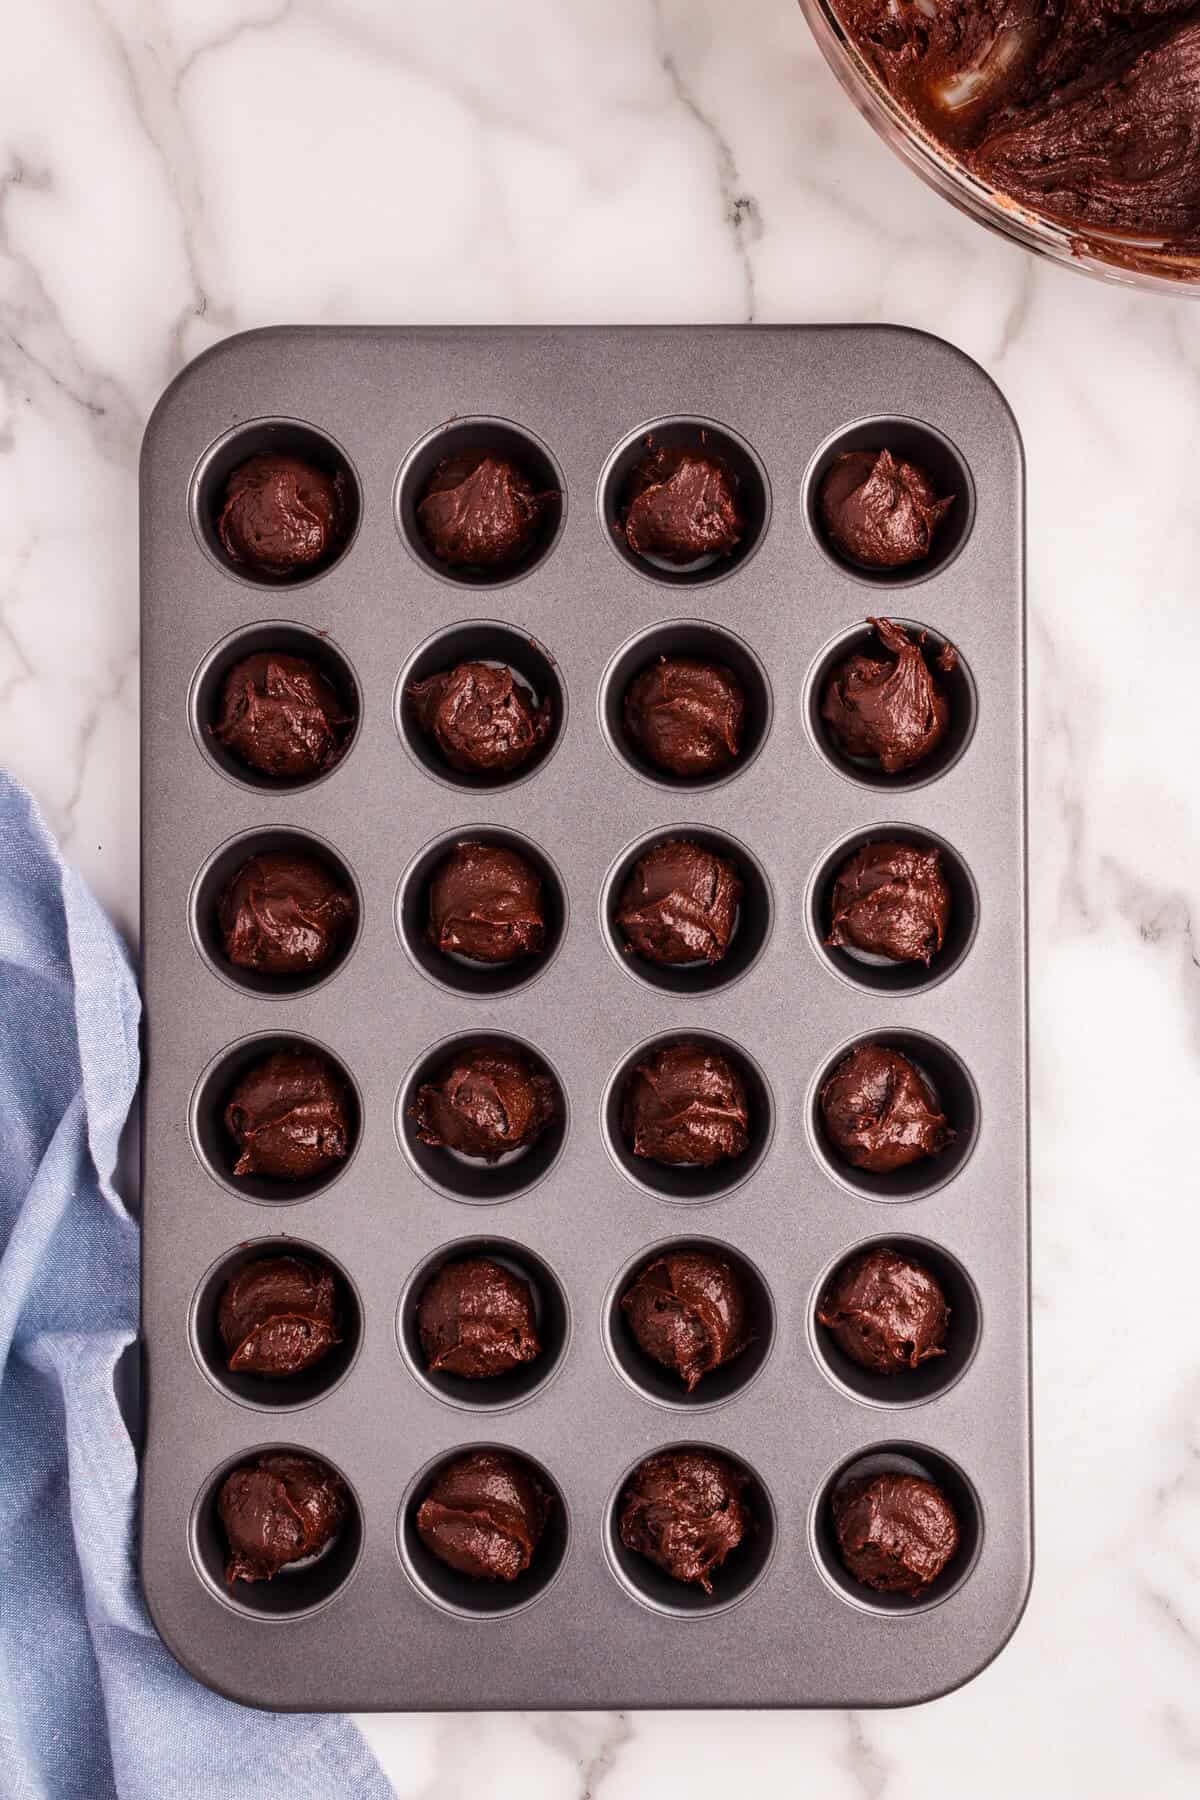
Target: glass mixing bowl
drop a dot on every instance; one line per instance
(1142, 262)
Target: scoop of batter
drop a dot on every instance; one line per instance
(484, 1515)
(896, 1532)
(683, 1509)
(880, 1112)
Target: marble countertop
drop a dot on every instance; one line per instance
(174, 170)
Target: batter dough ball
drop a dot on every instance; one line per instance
(896, 1533)
(487, 1100)
(889, 709)
(475, 1318)
(278, 1509)
(687, 1103)
(880, 1112)
(688, 1310)
(484, 1515)
(684, 1511)
(886, 1312)
(281, 516)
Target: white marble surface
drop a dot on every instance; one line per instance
(172, 170)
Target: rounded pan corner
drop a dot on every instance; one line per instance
(942, 346)
(962, 1679)
(213, 357)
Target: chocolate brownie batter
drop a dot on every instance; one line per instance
(1087, 111)
(278, 1509)
(896, 1533)
(482, 720)
(682, 506)
(486, 903)
(281, 716)
(475, 1318)
(889, 709)
(685, 715)
(686, 1103)
(480, 511)
(880, 511)
(486, 1101)
(284, 914)
(891, 899)
(281, 516)
(687, 1310)
(289, 1116)
(680, 904)
(278, 1316)
(484, 1514)
(683, 1509)
(880, 1112)
(885, 1311)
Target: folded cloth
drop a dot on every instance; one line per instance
(91, 1703)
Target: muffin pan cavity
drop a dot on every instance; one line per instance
(452, 970)
(213, 883)
(494, 437)
(695, 437)
(911, 441)
(753, 914)
(898, 1458)
(869, 969)
(214, 1142)
(277, 1393)
(272, 437)
(934, 1375)
(697, 641)
(271, 638)
(298, 1590)
(460, 1594)
(676, 1180)
(580, 1059)
(534, 672)
(453, 1172)
(659, 1383)
(551, 1318)
(957, 684)
(954, 1094)
(731, 1583)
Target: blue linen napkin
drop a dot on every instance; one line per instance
(91, 1703)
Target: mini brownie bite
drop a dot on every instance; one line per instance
(284, 913)
(279, 715)
(278, 1509)
(895, 1532)
(682, 505)
(486, 1100)
(281, 516)
(885, 1311)
(289, 1116)
(486, 903)
(893, 900)
(686, 1103)
(278, 1316)
(880, 1112)
(685, 715)
(688, 1311)
(680, 904)
(475, 1318)
(484, 1514)
(481, 718)
(889, 709)
(879, 510)
(683, 1510)
(480, 511)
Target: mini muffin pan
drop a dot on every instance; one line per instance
(375, 1621)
